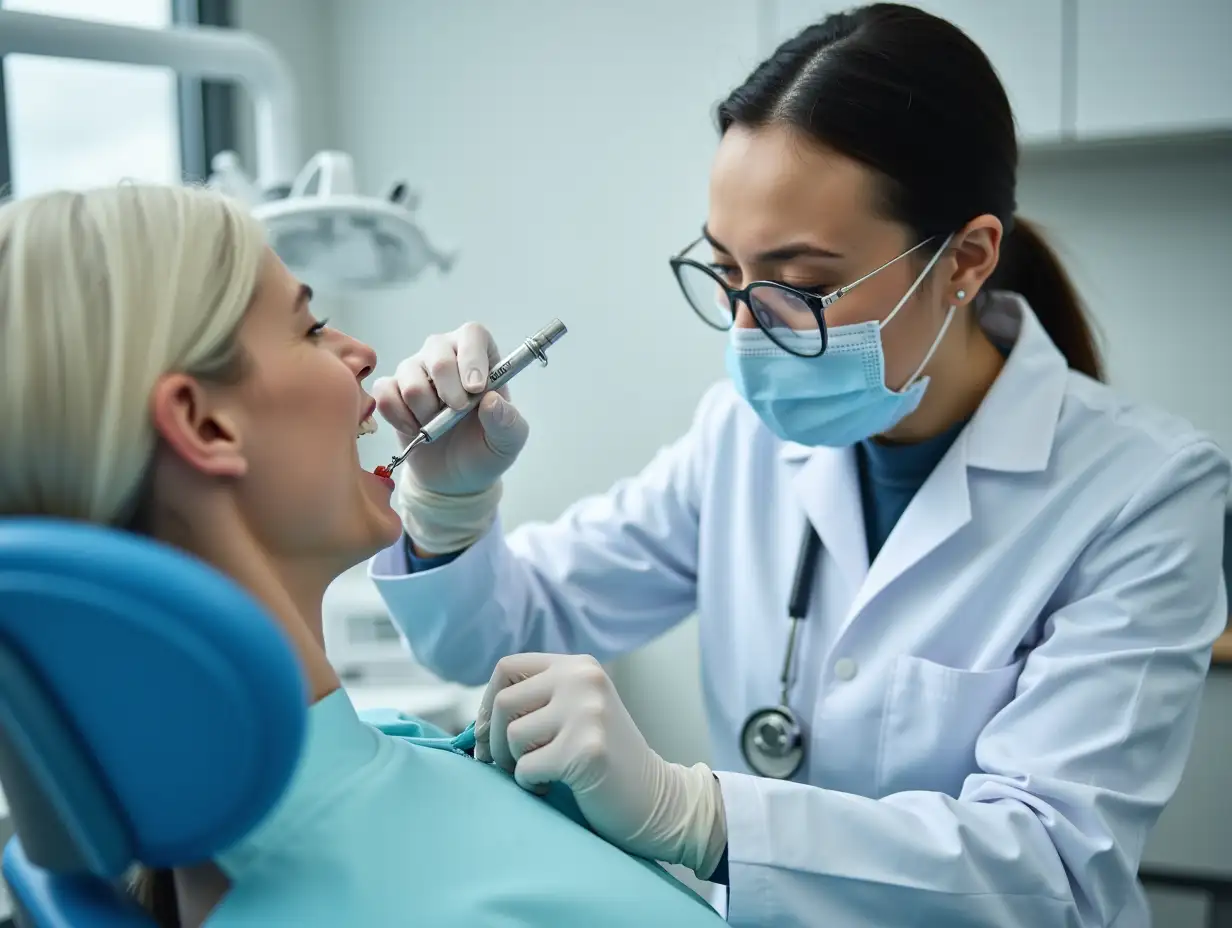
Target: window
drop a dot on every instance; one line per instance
(81, 124)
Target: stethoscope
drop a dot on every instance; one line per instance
(772, 740)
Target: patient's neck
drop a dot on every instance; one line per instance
(290, 589)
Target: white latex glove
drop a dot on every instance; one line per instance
(557, 718)
(449, 489)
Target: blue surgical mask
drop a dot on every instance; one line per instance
(838, 398)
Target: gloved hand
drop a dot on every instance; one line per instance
(449, 489)
(557, 718)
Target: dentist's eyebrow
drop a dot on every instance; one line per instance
(778, 255)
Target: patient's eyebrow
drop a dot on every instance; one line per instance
(304, 297)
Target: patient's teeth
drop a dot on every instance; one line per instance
(368, 426)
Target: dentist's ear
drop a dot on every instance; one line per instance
(976, 248)
(196, 427)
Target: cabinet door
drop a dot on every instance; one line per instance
(1022, 38)
(1146, 67)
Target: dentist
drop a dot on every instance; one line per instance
(957, 597)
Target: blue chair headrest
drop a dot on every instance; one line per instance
(149, 709)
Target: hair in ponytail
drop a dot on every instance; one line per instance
(911, 96)
(1028, 266)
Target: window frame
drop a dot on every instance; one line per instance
(207, 110)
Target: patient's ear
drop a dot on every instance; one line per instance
(197, 426)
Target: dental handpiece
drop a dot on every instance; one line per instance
(534, 348)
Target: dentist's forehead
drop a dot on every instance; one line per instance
(771, 186)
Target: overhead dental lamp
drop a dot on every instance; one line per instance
(332, 236)
(323, 228)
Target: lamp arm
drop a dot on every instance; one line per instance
(192, 51)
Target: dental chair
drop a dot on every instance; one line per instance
(149, 712)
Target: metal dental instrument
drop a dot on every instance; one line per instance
(517, 361)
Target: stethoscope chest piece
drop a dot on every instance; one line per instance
(772, 743)
(772, 740)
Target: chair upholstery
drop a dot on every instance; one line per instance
(150, 712)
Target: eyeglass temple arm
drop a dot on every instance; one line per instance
(689, 247)
(847, 288)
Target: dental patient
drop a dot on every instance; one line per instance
(162, 372)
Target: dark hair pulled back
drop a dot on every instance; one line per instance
(912, 97)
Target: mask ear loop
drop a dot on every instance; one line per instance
(924, 273)
(949, 316)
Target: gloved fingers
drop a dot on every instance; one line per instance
(417, 393)
(511, 704)
(504, 430)
(532, 731)
(482, 751)
(446, 371)
(517, 687)
(476, 354)
(397, 398)
(439, 357)
(539, 769)
(508, 671)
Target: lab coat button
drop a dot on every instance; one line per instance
(845, 669)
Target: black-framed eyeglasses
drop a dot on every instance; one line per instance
(784, 313)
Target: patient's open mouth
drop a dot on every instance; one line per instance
(367, 424)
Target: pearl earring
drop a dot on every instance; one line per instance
(961, 295)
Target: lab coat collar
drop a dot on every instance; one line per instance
(828, 486)
(1005, 434)
(1015, 427)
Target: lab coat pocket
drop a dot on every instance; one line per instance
(933, 716)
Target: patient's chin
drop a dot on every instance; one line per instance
(343, 535)
(392, 532)
(387, 524)
(384, 530)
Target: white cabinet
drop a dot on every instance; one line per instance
(1022, 38)
(1146, 67)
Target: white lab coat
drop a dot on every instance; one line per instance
(998, 708)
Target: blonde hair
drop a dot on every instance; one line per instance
(101, 293)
